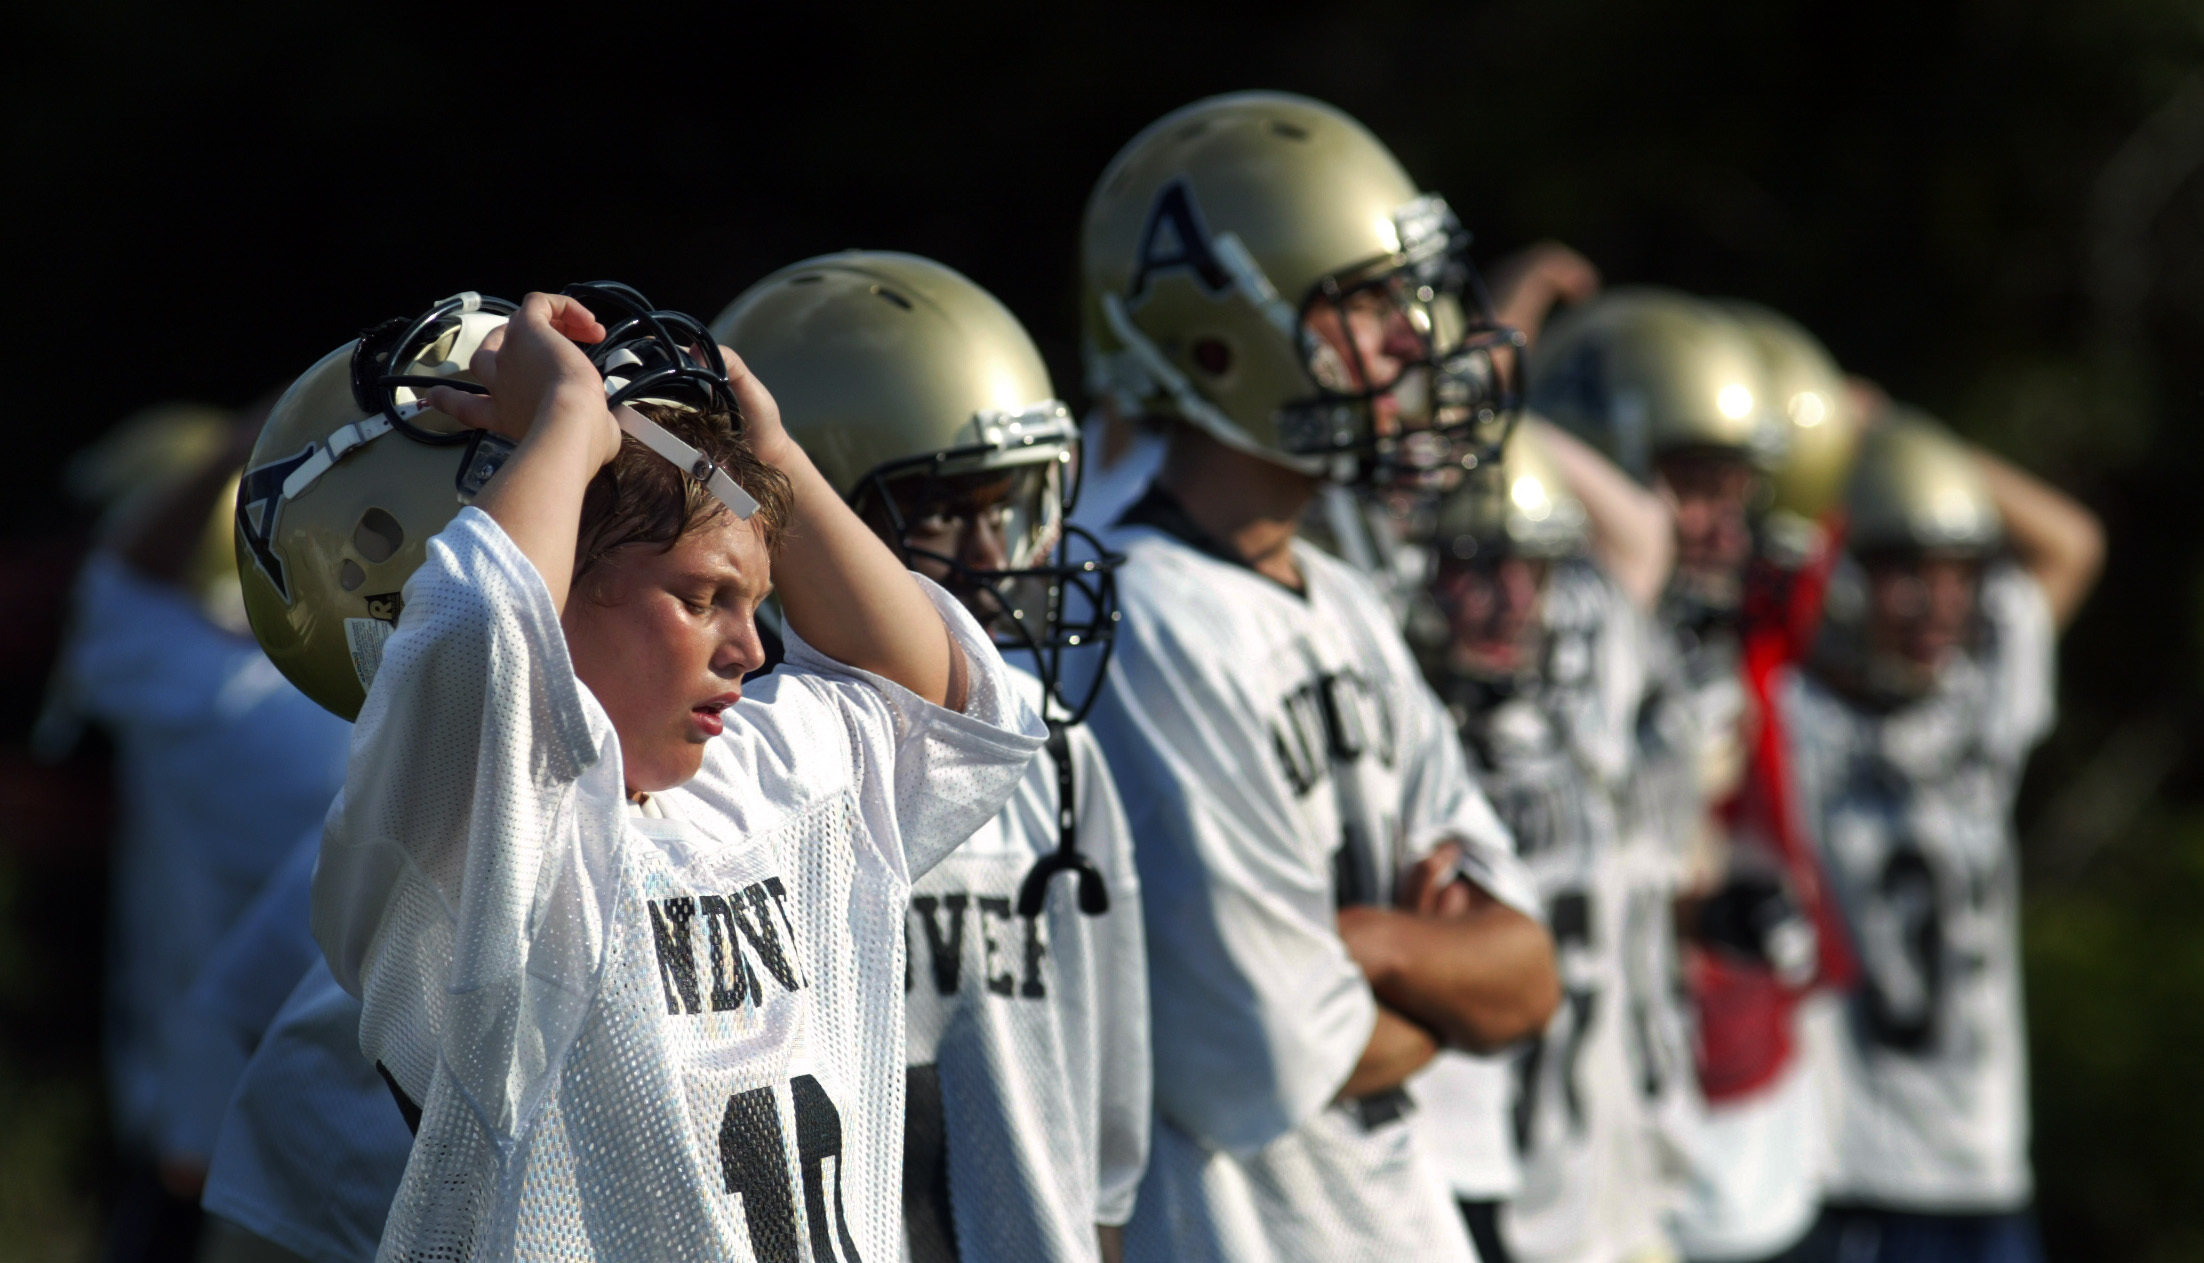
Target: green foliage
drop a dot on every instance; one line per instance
(2115, 980)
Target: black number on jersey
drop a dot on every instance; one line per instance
(1905, 964)
(753, 1156)
(1559, 1052)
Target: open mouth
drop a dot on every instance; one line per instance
(709, 715)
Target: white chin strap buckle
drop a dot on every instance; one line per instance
(686, 458)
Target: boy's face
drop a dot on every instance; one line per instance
(983, 521)
(1713, 496)
(1492, 609)
(1921, 607)
(664, 638)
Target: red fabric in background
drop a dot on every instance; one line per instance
(1744, 1011)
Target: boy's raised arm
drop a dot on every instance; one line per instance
(841, 588)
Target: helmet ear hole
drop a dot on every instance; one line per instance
(350, 576)
(377, 536)
(1213, 356)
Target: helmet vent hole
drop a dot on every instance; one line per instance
(1212, 356)
(893, 297)
(350, 576)
(1280, 127)
(808, 278)
(377, 536)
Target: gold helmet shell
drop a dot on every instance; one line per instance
(1807, 388)
(1639, 372)
(1205, 242)
(1914, 488)
(337, 504)
(878, 358)
(1515, 506)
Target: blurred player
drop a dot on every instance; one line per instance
(1677, 392)
(926, 405)
(223, 766)
(1329, 898)
(627, 945)
(1932, 680)
(1548, 564)
(307, 1145)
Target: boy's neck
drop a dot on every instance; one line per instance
(1248, 503)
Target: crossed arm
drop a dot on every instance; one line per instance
(1451, 967)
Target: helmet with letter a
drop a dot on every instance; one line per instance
(352, 473)
(1260, 267)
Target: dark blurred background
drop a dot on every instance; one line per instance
(1994, 209)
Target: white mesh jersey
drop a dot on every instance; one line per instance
(1279, 756)
(223, 765)
(1028, 1103)
(677, 1037)
(1554, 754)
(312, 1149)
(1912, 809)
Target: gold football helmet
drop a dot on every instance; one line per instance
(1223, 242)
(899, 376)
(352, 474)
(1807, 388)
(1914, 488)
(353, 471)
(1640, 372)
(1515, 506)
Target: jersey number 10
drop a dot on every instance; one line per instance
(753, 1154)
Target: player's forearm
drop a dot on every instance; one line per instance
(1632, 538)
(2060, 542)
(1397, 1049)
(1482, 981)
(536, 497)
(848, 595)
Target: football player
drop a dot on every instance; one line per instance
(222, 764)
(1909, 727)
(928, 408)
(1548, 565)
(1329, 899)
(628, 942)
(1675, 391)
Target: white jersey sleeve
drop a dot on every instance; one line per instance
(1268, 1013)
(473, 840)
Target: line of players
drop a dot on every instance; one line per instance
(1651, 895)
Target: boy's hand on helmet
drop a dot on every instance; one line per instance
(761, 417)
(535, 375)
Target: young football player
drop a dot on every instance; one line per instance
(1548, 563)
(222, 767)
(1329, 899)
(1675, 391)
(928, 408)
(1909, 728)
(629, 943)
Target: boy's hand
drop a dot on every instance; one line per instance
(761, 417)
(538, 378)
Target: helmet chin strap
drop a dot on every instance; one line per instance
(695, 463)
